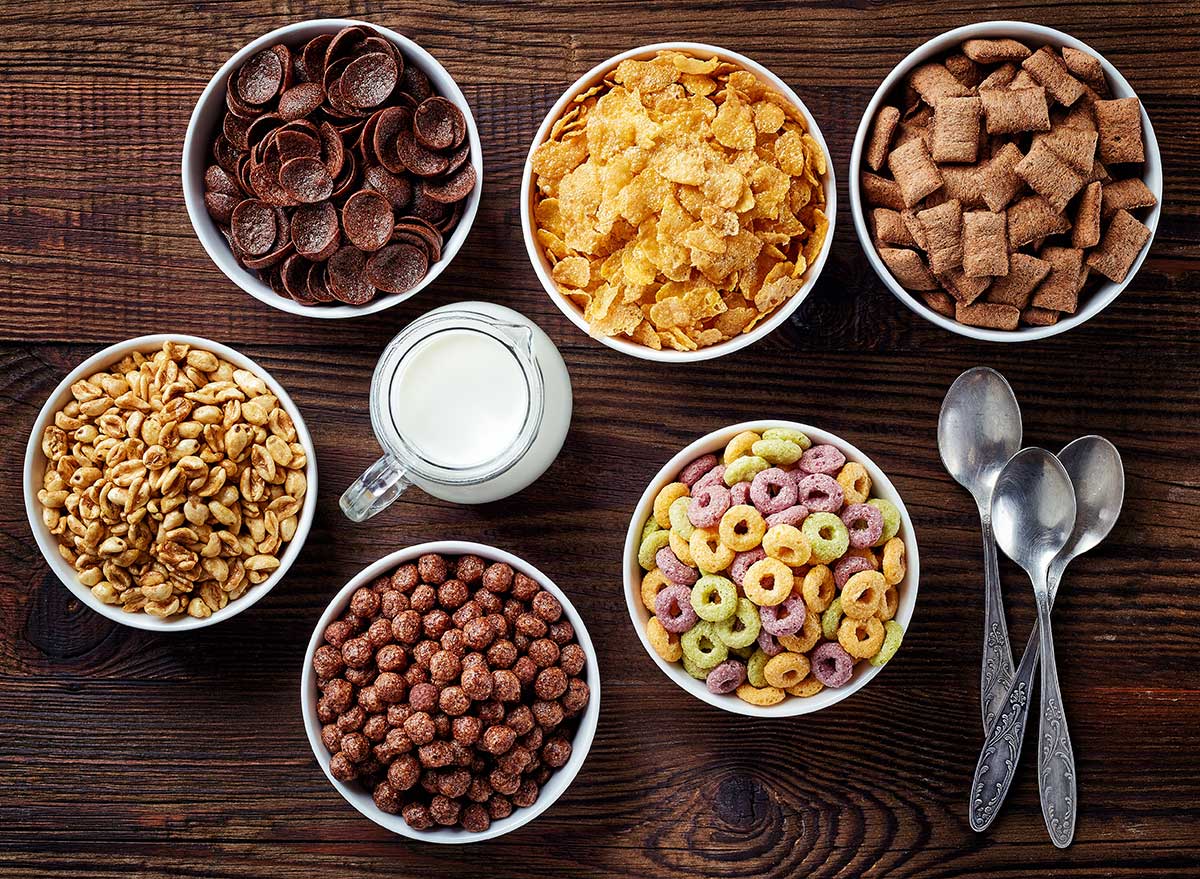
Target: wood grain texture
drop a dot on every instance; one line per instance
(133, 755)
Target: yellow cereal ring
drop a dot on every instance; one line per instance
(889, 604)
(767, 582)
(864, 552)
(761, 696)
(893, 561)
(653, 583)
(787, 433)
(777, 451)
(806, 639)
(862, 593)
(818, 588)
(855, 483)
(679, 517)
(786, 543)
(665, 644)
(893, 635)
(786, 670)
(681, 548)
(708, 552)
(810, 686)
(742, 528)
(651, 544)
(861, 638)
(663, 500)
(740, 445)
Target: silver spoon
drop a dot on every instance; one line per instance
(1094, 465)
(979, 429)
(1034, 513)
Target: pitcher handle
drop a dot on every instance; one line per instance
(375, 490)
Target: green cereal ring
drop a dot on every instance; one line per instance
(831, 619)
(828, 535)
(751, 623)
(786, 433)
(893, 634)
(649, 528)
(743, 652)
(777, 451)
(651, 544)
(678, 513)
(714, 598)
(744, 469)
(891, 519)
(702, 646)
(695, 671)
(754, 668)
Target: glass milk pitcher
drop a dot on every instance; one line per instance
(471, 402)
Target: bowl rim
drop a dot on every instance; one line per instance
(628, 346)
(712, 443)
(34, 460)
(196, 141)
(580, 745)
(1152, 175)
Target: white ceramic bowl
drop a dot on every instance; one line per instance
(35, 465)
(358, 796)
(1034, 35)
(714, 443)
(196, 157)
(541, 265)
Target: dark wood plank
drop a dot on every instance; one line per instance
(133, 755)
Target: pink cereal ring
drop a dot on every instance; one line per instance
(715, 476)
(831, 665)
(822, 459)
(820, 493)
(693, 471)
(673, 569)
(674, 610)
(847, 567)
(726, 677)
(783, 619)
(742, 562)
(740, 493)
(791, 516)
(773, 491)
(865, 524)
(768, 644)
(708, 505)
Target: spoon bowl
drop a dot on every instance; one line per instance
(979, 430)
(1096, 472)
(1033, 510)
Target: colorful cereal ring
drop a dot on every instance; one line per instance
(714, 598)
(665, 644)
(708, 505)
(680, 547)
(676, 571)
(777, 451)
(769, 644)
(673, 607)
(861, 638)
(789, 434)
(740, 446)
(742, 628)
(822, 459)
(715, 476)
(693, 471)
(828, 536)
(702, 646)
(666, 496)
(708, 552)
(865, 523)
(889, 604)
(754, 668)
(893, 561)
(785, 618)
(744, 469)
(855, 482)
(818, 588)
(678, 514)
(831, 664)
(788, 544)
(791, 516)
(847, 566)
(810, 686)
(742, 528)
(726, 677)
(786, 670)
(891, 518)
(893, 635)
(769, 581)
(742, 562)
(739, 493)
(649, 528)
(807, 637)
(820, 493)
(862, 593)
(653, 583)
(651, 544)
(831, 619)
(773, 491)
(760, 696)
(700, 674)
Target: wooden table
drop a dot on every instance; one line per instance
(130, 754)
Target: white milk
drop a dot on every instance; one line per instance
(459, 398)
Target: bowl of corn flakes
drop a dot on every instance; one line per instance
(678, 201)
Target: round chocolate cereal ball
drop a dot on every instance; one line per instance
(551, 683)
(338, 633)
(390, 687)
(513, 609)
(397, 714)
(489, 602)
(352, 719)
(391, 657)
(381, 585)
(479, 790)
(521, 641)
(357, 652)
(576, 697)
(375, 728)
(423, 697)
(379, 633)
(435, 623)
(417, 816)
(428, 781)
(331, 736)
(441, 725)
(562, 632)
(502, 654)
(543, 652)
(327, 661)
(525, 670)
(519, 719)
(546, 607)
(498, 577)
(454, 701)
(419, 728)
(453, 594)
(360, 677)
(469, 611)
(406, 627)
(524, 587)
(355, 746)
(498, 739)
(477, 633)
(530, 626)
(454, 641)
(423, 598)
(424, 651)
(526, 794)
(453, 783)
(504, 782)
(506, 685)
(490, 712)
(405, 578)
(414, 675)
(556, 752)
(463, 755)
(444, 810)
(549, 715)
(325, 712)
(475, 818)
(370, 700)
(499, 806)
(398, 742)
(435, 755)
(364, 603)
(572, 659)
(469, 568)
(444, 667)
(404, 772)
(477, 684)
(386, 798)
(338, 695)
(342, 767)
(432, 569)
(515, 759)
(534, 739)
(392, 603)
(466, 730)
(476, 661)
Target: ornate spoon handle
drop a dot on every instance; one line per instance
(1056, 759)
(997, 672)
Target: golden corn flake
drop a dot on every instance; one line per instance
(679, 201)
